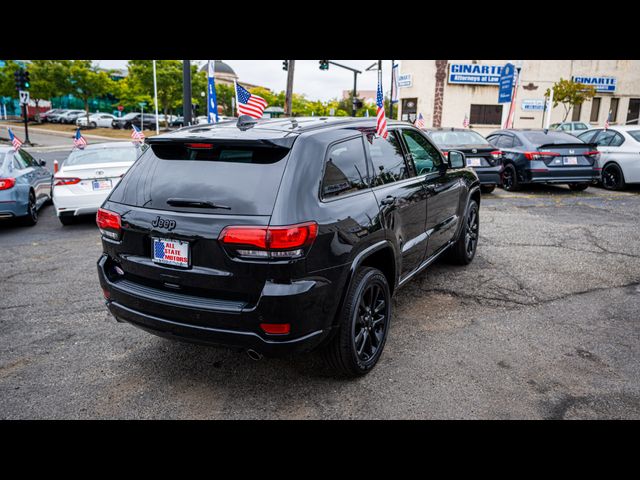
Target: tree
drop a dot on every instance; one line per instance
(169, 81)
(570, 94)
(49, 78)
(88, 82)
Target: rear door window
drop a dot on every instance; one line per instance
(388, 159)
(345, 169)
(587, 137)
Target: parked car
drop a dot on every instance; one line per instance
(25, 185)
(70, 116)
(177, 122)
(485, 159)
(570, 127)
(148, 121)
(88, 175)
(545, 156)
(96, 120)
(619, 148)
(55, 117)
(283, 235)
(44, 117)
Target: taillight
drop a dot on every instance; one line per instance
(65, 181)
(595, 154)
(282, 242)
(109, 224)
(7, 183)
(276, 328)
(199, 145)
(496, 154)
(539, 155)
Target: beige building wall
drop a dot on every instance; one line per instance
(536, 77)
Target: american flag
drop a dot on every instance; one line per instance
(381, 126)
(249, 104)
(606, 123)
(15, 141)
(78, 140)
(137, 134)
(465, 123)
(419, 121)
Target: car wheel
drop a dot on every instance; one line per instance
(31, 218)
(67, 219)
(510, 179)
(612, 177)
(578, 187)
(463, 251)
(94, 125)
(487, 188)
(363, 325)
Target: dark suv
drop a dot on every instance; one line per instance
(282, 235)
(135, 119)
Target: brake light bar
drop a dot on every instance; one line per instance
(272, 242)
(539, 155)
(199, 145)
(109, 224)
(66, 181)
(7, 183)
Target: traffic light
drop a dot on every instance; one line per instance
(18, 76)
(324, 64)
(285, 65)
(26, 83)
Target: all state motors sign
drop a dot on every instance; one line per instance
(602, 84)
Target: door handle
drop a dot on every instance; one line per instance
(388, 200)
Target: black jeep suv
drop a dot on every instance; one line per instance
(282, 235)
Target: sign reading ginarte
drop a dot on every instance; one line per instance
(475, 74)
(602, 84)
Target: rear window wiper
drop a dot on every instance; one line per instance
(188, 202)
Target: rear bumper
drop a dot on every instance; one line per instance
(489, 175)
(68, 203)
(13, 203)
(222, 323)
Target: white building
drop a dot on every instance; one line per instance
(445, 91)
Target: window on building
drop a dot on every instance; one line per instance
(595, 110)
(486, 115)
(577, 110)
(614, 109)
(345, 170)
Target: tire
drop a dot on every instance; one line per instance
(510, 178)
(487, 188)
(578, 187)
(463, 251)
(612, 177)
(94, 125)
(67, 219)
(356, 321)
(31, 218)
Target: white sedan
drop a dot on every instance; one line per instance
(88, 175)
(96, 120)
(619, 148)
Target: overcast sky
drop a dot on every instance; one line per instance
(309, 79)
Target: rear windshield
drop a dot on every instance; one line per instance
(101, 155)
(541, 138)
(635, 134)
(458, 138)
(244, 178)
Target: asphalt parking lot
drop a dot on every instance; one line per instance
(543, 324)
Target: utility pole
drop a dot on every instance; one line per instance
(186, 92)
(391, 93)
(289, 94)
(355, 83)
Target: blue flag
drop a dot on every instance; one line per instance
(212, 103)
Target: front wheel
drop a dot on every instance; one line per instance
(363, 325)
(463, 251)
(612, 177)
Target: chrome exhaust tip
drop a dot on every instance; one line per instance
(253, 355)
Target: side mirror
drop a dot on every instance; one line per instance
(456, 159)
(42, 163)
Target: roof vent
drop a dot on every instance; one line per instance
(245, 122)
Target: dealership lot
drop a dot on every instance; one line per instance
(543, 324)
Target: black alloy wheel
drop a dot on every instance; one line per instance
(31, 218)
(510, 179)
(370, 325)
(612, 177)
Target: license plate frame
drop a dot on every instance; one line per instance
(177, 251)
(570, 161)
(474, 162)
(97, 184)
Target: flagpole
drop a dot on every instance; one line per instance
(235, 89)
(155, 96)
(391, 93)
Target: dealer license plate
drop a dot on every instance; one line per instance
(101, 184)
(171, 252)
(474, 162)
(570, 160)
